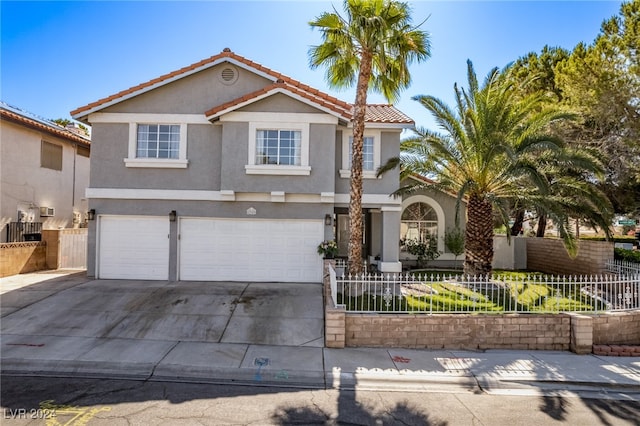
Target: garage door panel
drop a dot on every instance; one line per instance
(250, 250)
(133, 248)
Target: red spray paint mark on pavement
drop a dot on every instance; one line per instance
(34, 345)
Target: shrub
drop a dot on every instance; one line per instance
(423, 250)
(454, 241)
(626, 255)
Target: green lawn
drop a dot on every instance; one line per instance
(515, 291)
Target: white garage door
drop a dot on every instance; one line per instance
(250, 250)
(132, 247)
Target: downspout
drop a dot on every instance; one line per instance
(73, 186)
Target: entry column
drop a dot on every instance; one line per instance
(390, 258)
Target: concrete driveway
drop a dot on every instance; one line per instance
(214, 312)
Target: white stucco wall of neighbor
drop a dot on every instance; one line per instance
(26, 185)
(509, 254)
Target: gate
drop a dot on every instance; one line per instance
(73, 248)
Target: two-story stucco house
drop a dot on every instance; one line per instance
(228, 170)
(44, 171)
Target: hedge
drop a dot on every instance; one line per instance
(616, 239)
(626, 255)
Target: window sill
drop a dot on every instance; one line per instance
(366, 174)
(252, 169)
(156, 163)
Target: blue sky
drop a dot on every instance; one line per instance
(57, 56)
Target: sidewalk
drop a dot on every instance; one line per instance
(491, 371)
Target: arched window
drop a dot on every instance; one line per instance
(418, 222)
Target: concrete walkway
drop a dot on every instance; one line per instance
(63, 324)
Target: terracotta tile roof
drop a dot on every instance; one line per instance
(383, 113)
(432, 182)
(422, 178)
(375, 113)
(16, 115)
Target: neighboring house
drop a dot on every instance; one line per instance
(44, 171)
(228, 170)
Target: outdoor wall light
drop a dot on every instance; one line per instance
(327, 219)
(91, 214)
(172, 216)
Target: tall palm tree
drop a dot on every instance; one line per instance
(372, 47)
(496, 147)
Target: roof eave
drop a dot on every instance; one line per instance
(271, 92)
(84, 114)
(385, 125)
(60, 133)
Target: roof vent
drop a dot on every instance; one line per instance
(228, 75)
(226, 49)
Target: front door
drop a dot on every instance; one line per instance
(342, 236)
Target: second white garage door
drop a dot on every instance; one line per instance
(250, 250)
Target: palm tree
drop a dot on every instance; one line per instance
(497, 148)
(371, 47)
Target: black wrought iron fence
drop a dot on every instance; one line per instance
(23, 231)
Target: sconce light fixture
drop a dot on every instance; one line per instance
(91, 214)
(328, 219)
(172, 216)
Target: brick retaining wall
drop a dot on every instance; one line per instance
(549, 255)
(616, 328)
(459, 331)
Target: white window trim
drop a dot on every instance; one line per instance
(436, 207)
(170, 163)
(345, 171)
(270, 169)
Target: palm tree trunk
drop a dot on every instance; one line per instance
(479, 237)
(355, 193)
(517, 223)
(542, 225)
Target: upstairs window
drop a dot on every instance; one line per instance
(370, 154)
(158, 141)
(280, 147)
(367, 152)
(51, 156)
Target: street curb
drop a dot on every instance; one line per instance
(371, 380)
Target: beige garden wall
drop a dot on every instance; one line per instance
(20, 258)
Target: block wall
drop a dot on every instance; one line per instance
(52, 238)
(619, 328)
(20, 258)
(510, 331)
(549, 255)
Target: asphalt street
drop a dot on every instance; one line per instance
(27, 400)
